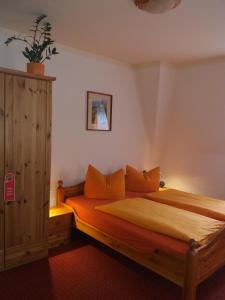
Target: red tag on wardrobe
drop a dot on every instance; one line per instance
(9, 187)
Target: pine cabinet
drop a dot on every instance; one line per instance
(25, 147)
(1, 170)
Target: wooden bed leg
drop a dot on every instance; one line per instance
(190, 280)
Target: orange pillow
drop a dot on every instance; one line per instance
(102, 186)
(142, 181)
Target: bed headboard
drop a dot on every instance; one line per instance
(68, 191)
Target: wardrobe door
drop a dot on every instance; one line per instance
(1, 170)
(26, 154)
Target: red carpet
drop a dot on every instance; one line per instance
(86, 270)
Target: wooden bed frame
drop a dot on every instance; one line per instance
(186, 271)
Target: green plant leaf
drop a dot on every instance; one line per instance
(38, 43)
(26, 55)
(40, 18)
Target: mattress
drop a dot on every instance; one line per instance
(141, 239)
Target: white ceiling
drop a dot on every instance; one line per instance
(117, 29)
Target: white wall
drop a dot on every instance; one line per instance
(156, 83)
(184, 110)
(73, 147)
(195, 148)
(147, 77)
(166, 90)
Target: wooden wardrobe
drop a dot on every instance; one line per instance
(25, 149)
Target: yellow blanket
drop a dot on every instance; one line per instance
(165, 219)
(202, 205)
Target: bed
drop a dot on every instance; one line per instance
(186, 265)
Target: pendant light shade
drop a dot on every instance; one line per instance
(157, 6)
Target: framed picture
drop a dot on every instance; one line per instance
(99, 111)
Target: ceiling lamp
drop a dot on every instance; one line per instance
(157, 6)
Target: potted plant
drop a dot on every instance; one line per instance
(38, 45)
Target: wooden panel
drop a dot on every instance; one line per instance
(48, 128)
(165, 264)
(59, 239)
(25, 148)
(60, 210)
(60, 225)
(26, 74)
(19, 255)
(2, 138)
(211, 257)
(1, 230)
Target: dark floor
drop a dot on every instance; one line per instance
(86, 270)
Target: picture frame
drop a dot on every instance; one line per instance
(99, 111)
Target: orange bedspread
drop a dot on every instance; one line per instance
(202, 205)
(142, 239)
(165, 219)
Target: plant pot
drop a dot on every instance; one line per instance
(36, 68)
